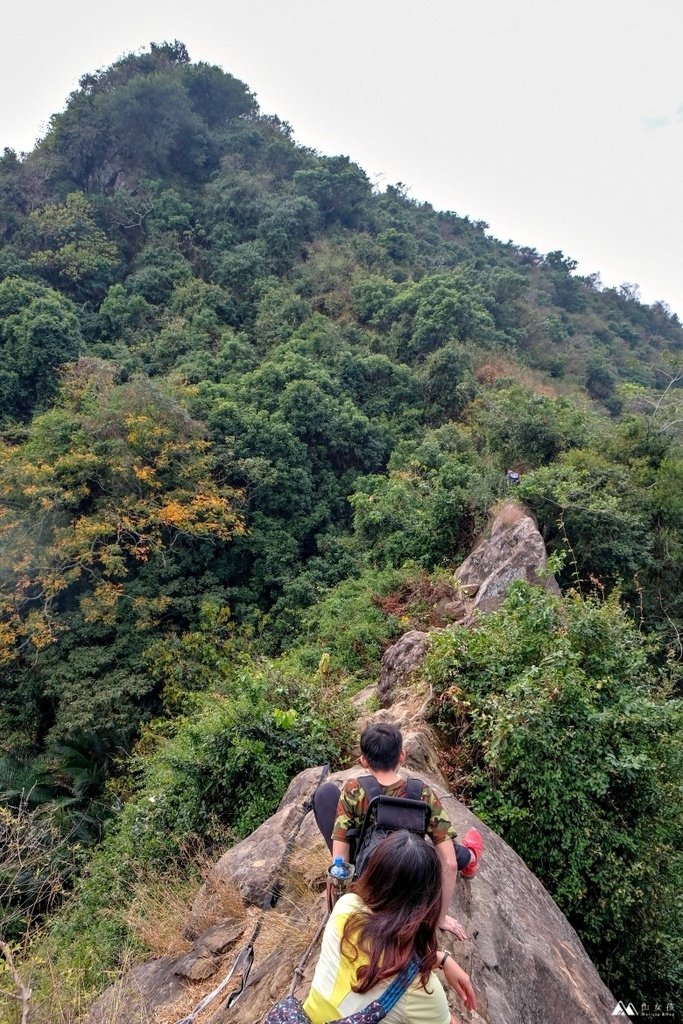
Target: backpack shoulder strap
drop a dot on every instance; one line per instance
(370, 786)
(393, 993)
(414, 789)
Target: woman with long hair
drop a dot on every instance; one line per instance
(388, 919)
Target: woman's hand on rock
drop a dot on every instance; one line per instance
(457, 979)
(449, 924)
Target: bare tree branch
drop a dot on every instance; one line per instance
(24, 994)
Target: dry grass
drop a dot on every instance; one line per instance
(281, 931)
(289, 933)
(307, 871)
(157, 914)
(221, 901)
(501, 368)
(170, 1013)
(287, 929)
(228, 900)
(62, 998)
(160, 907)
(508, 512)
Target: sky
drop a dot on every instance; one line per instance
(558, 122)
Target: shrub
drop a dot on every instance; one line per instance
(350, 625)
(574, 748)
(202, 781)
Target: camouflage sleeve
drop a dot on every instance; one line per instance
(348, 809)
(440, 828)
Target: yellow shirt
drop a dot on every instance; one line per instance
(331, 995)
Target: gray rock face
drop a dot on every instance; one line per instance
(513, 551)
(139, 994)
(252, 865)
(526, 963)
(399, 662)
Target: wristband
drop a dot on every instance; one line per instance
(444, 958)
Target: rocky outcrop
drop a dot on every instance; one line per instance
(251, 866)
(514, 550)
(399, 662)
(137, 997)
(526, 963)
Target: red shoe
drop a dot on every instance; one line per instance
(473, 841)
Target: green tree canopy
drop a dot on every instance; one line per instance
(39, 331)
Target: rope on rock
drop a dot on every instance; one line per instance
(242, 965)
(299, 969)
(275, 891)
(245, 958)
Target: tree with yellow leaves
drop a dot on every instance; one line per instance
(115, 477)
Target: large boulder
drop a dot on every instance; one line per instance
(399, 662)
(527, 964)
(514, 550)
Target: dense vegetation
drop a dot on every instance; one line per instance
(245, 399)
(601, 820)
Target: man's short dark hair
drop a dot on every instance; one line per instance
(381, 745)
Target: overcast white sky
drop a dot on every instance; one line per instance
(559, 122)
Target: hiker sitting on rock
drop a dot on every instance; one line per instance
(387, 922)
(339, 814)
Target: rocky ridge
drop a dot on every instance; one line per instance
(527, 964)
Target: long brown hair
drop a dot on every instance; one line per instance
(401, 887)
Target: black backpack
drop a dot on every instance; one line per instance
(388, 814)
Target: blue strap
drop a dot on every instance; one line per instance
(395, 990)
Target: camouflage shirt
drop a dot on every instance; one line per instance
(353, 803)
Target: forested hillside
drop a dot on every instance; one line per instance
(251, 410)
